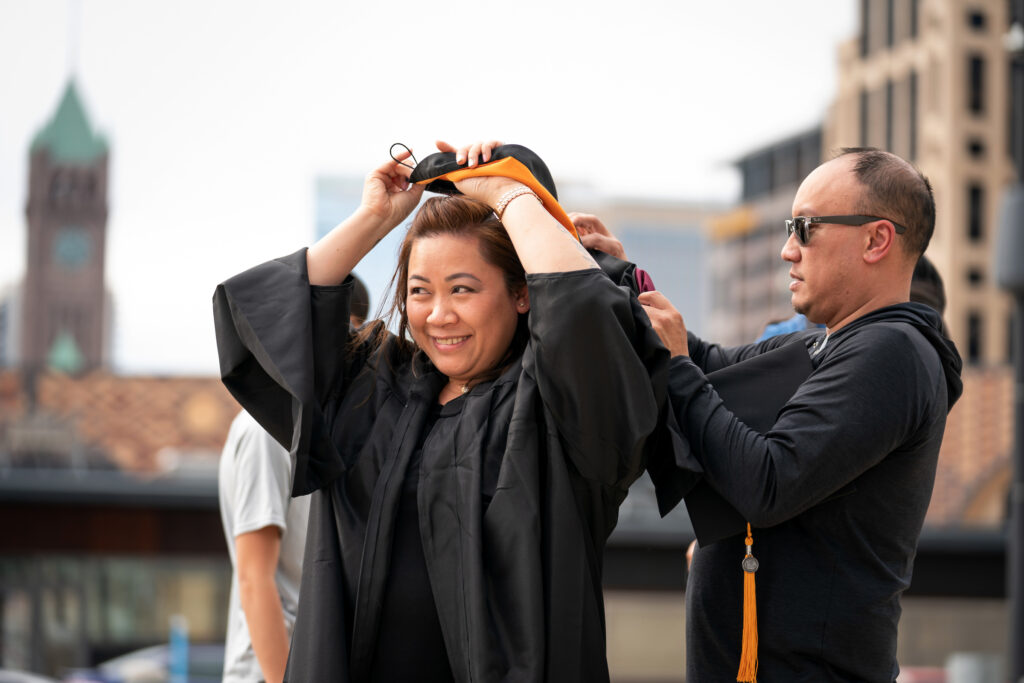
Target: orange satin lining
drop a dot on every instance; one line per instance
(509, 167)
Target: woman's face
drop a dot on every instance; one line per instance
(459, 309)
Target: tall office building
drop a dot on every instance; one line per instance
(663, 236)
(928, 80)
(748, 275)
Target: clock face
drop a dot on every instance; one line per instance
(72, 247)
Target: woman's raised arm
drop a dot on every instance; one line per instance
(543, 245)
(387, 199)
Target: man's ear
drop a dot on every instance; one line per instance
(881, 238)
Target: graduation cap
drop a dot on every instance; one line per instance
(440, 171)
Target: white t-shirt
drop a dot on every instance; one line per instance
(254, 485)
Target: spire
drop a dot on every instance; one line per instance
(68, 136)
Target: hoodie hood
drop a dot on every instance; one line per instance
(929, 323)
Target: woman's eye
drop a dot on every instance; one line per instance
(461, 289)
(413, 291)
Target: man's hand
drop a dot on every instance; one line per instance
(594, 235)
(666, 321)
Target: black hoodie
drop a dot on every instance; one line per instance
(836, 491)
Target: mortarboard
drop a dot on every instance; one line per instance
(439, 171)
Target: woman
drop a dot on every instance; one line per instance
(465, 481)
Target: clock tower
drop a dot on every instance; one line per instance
(64, 316)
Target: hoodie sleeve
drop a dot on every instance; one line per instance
(877, 390)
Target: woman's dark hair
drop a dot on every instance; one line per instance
(457, 216)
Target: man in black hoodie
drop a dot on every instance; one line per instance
(837, 489)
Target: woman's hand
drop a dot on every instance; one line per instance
(594, 235)
(472, 152)
(387, 194)
(542, 243)
(487, 189)
(387, 199)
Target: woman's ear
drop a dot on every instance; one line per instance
(522, 300)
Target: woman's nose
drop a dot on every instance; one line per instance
(440, 313)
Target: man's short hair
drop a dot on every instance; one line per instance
(359, 306)
(895, 190)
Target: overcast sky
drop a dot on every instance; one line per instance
(220, 114)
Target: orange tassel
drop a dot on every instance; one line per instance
(748, 655)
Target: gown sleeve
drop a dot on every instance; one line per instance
(602, 374)
(281, 346)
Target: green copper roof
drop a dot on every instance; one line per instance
(68, 136)
(64, 355)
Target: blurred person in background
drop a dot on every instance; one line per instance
(265, 529)
(926, 287)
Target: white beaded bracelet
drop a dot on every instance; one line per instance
(503, 203)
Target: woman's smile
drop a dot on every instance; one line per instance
(460, 310)
(449, 343)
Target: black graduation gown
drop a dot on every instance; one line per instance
(515, 505)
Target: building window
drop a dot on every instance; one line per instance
(786, 166)
(890, 22)
(975, 277)
(976, 20)
(912, 115)
(863, 118)
(865, 27)
(810, 154)
(976, 84)
(975, 212)
(1014, 148)
(976, 148)
(974, 324)
(757, 176)
(913, 17)
(1011, 337)
(888, 114)
(60, 188)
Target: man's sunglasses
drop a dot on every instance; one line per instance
(801, 225)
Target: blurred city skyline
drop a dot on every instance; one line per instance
(220, 117)
(237, 133)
